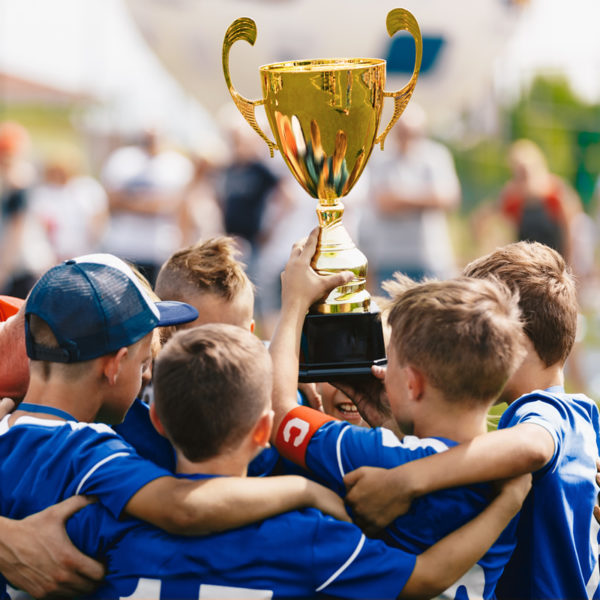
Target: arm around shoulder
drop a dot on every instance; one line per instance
(200, 507)
(444, 563)
(378, 496)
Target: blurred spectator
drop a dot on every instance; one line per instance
(414, 184)
(23, 253)
(201, 217)
(73, 208)
(145, 185)
(540, 205)
(246, 184)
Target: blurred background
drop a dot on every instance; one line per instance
(117, 133)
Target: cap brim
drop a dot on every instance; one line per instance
(175, 313)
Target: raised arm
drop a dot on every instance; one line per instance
(301, 286)
(187, 507)
(444, 563)
(378, 496)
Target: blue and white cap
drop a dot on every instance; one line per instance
(94, 305)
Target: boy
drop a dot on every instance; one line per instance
(88, 326)
(212, 400)
(546, 431)
(453, 346)
(208, 276)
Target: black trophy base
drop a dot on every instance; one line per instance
(340, 346)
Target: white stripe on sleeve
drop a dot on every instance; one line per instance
(97, 466)
(358, 548)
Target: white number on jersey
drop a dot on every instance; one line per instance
(473, 581)
(149, 589)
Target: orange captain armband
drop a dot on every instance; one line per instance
(9, 306)
(296, 431)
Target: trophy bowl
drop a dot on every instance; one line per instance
(324, 115)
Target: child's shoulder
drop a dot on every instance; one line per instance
(551, 405)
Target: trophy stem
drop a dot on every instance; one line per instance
(336, 252)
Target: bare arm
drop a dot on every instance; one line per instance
(37, 556)
(187, 507)
(145, 202)
(444, 563)
(301, 286)
(378, 496)
(392, 202)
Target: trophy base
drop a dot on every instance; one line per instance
(340, 346)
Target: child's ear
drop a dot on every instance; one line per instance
(262, 430)
(112, 365)
(415, 382)
(156, 421)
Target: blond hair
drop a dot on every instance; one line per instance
(211, 266)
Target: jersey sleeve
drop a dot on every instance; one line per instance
(110, 469)
(347, 564)
(329, 448)
(544, 412)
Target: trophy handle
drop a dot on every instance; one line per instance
(243, 29)
(400, 19)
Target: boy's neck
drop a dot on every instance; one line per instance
(459, 421)
(231, 464)
(533, 374)
(73, 397)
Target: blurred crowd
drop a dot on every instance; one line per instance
(149, 197)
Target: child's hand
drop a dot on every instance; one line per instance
(7, 405)
(301, 284)
(370, 398)
(309, 391)
(377, 496)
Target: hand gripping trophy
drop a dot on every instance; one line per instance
(324, 115)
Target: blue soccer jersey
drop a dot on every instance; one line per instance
(557, 549)
(45, 461)
(331, 448)
(300, 554)
(138, 431)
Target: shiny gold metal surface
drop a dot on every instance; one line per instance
(324, 115)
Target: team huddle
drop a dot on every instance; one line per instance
(226, 484)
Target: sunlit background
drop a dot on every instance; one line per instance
(84, 76)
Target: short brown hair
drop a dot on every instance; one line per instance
(211, 266)
(547, 292)
(464, 335)
(211, 384)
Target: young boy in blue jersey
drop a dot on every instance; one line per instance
(453, 346)
(88, 329)
(209, 277)
(213, 401)
(544, 430)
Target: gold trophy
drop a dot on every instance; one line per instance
(324, 115)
